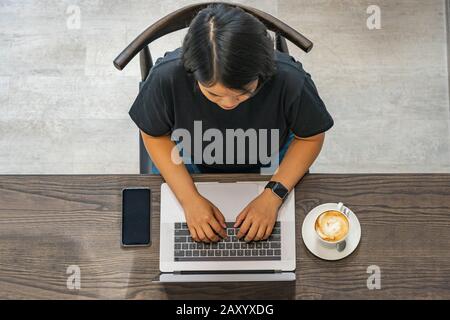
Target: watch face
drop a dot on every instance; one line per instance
(280, 190)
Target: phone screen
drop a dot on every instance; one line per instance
(136, 217)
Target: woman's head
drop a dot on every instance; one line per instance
(229, 52)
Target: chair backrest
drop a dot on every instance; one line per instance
(181, 19)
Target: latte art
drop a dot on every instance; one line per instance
(332, 226)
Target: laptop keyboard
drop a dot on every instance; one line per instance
(230, 249)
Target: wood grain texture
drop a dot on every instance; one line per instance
(48, 222)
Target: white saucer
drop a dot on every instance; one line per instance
(316, 247)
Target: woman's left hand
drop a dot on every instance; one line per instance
(257, 219)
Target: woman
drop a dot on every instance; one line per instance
(225, 78)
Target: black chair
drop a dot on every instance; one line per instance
(181, 19)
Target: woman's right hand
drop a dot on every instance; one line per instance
(205, 221)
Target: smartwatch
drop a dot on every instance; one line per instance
(277, 188)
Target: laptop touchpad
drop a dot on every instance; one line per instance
(230, 198)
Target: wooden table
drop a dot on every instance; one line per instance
(48, 222)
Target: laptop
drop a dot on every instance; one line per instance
(231, 259)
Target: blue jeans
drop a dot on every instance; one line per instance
(192, 168)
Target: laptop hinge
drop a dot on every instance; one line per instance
(225, 271)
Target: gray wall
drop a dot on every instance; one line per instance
(64, 108)
(448, 40)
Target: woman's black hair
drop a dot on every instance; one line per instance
(225, 44)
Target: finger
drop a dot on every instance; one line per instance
(244, 227)
(260, 234)
(215, 225)
(210, 233)
(220, 218)
(201, 235)
(252, 232)
(268, 231)
(193, 234)
(240, 217)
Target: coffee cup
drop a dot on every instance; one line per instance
(332, 227)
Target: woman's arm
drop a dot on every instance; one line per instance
(176, 175)
(202, 217)
(301, 154)
(259, 217)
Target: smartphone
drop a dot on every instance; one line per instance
(136, 217)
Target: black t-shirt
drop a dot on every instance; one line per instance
(170, 99)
